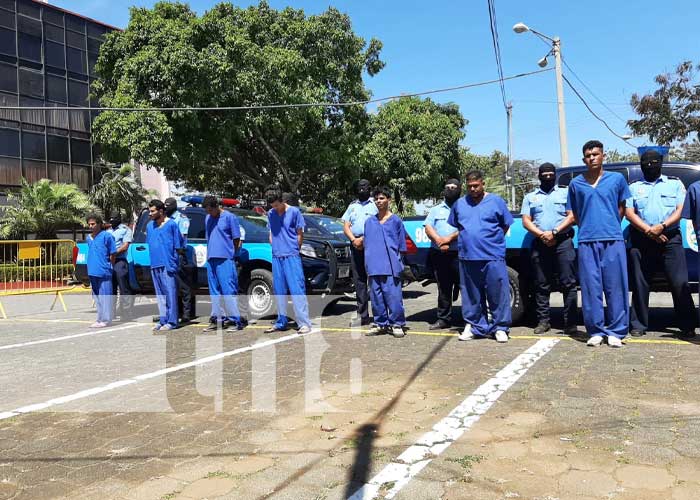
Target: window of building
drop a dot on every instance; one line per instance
(32, 116)
(55, 55)
(76, 24)
(92, 61)
(29, 47)
(58, 148)
(96, 30)
(53, 16)
(94, 45)
(7, 19)
(29, 26)
(80, 122)
(28, 9)
(58, 119)
(8, 77)
(81, 177)
(7, 42)
(11, 115)
(56, 88)
(33, 146)
(59, 172)
(53, 33)
(76, 60)
(9, 142)
(80, 151)
(31, 82)
(76, 40)
(10, 171)
(77, 93)
(33, 170)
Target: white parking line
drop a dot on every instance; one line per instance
(398, 473)
(140, 378)
(66, 337)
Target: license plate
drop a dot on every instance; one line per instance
(343, 271)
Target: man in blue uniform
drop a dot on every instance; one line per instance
(186, 266)
(164, 245)
(443, 252)
(286, 237)
(545, 217)
(354, 228)
(223, 240)
(691, 211)
(384, 242)
(101, 257)
(482, 220)
(597, 201)
(654, 213)
(122, 238)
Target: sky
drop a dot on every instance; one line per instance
(615, 47)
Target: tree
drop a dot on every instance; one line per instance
(413, 147)
(614, 156)
(118, 190)
(43, 208)
(672, 112)
(230, 56)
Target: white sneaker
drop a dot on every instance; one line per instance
(305, 329)
(595, 341)
(466, 333)
(501, 336)
(614, 341)
(397, 332)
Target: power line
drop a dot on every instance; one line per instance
(497, 49)
(593, 93)
(278, 106)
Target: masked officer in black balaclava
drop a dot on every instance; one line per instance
(123, 237)
(657, 243)
(544, 216)
(354, 218)
(185, 275)
(443, 252)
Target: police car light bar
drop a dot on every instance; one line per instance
(195, 199)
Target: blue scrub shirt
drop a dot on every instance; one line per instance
(596, 208)
(163, 243)
(357, 214)
(546, 209)
(691, 207)
(99, 250)
(437, 218)
(383, 246)
(655, 201)
(481, 227)
(283, 229)
(221, 231)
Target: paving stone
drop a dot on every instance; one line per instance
(208, 488)
(586, 483)
(644, 477)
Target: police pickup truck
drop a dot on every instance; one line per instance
(325, 258)
(519, 241)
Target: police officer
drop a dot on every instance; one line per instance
(122, 238)
(185, 271)
(354, 220)
(654, 212)
(443, 252)
(544, 216)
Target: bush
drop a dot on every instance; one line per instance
(13, 273)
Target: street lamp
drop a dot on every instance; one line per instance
(556, 51)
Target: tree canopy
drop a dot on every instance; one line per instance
(230, 56)
(118, 191)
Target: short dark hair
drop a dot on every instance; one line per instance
(273, 194)
(385, 190)
(210, 201)
(157, 204)
(96, 217)
(591, 145)
(290, 199)
(474, 175)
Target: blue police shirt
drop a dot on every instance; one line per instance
(437, 218)
(221, 231)
(121, 235)
(546, 209)
(596, 208)
(163, 243)
(99, 250)
(655, 201)
(283, 229)
(481, 227)
(357, 214)
(691, 205)
(383, 246)
(183, 223)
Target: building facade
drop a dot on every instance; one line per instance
(47, 59)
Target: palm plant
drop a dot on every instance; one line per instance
(119, 191)
(43, 208)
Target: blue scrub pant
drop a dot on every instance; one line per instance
(288, 279)
(603, 266)
(166, 293)
(223, 283)
(482, 283)
(387, 301)
(103, 292)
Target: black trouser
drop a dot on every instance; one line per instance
(547, 261)
(359, 276)
(446, 272)
(120, 281)
(184, 278)
(648, 257)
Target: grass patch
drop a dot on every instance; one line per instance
(315, 417)
(170, 496)
(466, 461)
(221, 473)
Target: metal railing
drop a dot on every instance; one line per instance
(32, 266)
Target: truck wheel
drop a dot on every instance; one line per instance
(517, 304)
(259, 292)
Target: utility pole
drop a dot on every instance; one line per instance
(563, 146)
(509, 167)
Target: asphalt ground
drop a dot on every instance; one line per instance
(123, 413)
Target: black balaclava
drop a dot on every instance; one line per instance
(170, 206)
(547, 184)
(363, 190)
(115, 220)
(453, 194)
(651, 162)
